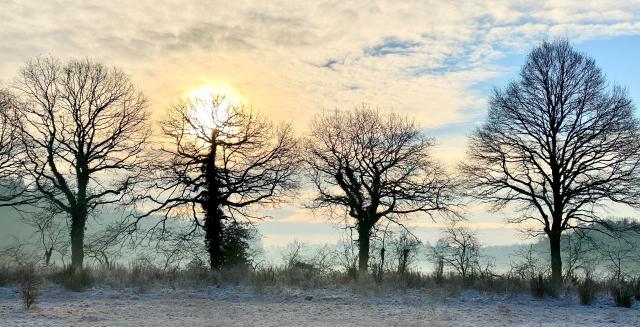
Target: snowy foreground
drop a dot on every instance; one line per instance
(235, 306)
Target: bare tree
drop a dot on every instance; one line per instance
(367, 166)
(579, 254)
(529, 264)
(379, 264)
(558, 143)
(459, 248)
(13, 191)
(18, 252)
(221, 158)
(52, 234)
(173, 249)
(106, 243)
(346, 256)
(435, 254)
(405, 250)
(619, 255)
(83, 126)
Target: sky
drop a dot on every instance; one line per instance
(435, 61)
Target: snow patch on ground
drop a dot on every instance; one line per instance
(240, 306)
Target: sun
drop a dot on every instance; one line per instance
(211, 104)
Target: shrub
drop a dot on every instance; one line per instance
(303, 274)
(29, 282)
(236, 243)
(114, 275)
(171, 276)
(408, 280)
(264, 277)
(234, 274)
(75, 280)
(352, 272)
(197, 272)
(5, 275)
(143, 274)
(538, 287)
(365, 284)
(492, 284)
(622, 293)
(636, 289)
(541, 287)
(587, 290)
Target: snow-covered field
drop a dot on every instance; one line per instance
(236, 306)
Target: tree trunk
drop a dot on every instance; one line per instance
(403, 261)
(79, 215)
(213, 211)
(78, 222)
(47, 256)
(213, 237)
(363, 247)
(556, 261)
(439, 269)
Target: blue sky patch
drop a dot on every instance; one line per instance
(393, 46)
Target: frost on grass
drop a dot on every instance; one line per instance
(238, 306)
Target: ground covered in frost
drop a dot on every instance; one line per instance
(238, 306)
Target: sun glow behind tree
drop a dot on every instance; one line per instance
(210, 106)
